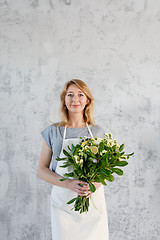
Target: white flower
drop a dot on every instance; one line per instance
(99, 139)
(110, 143)
(81, 161)
(76, 159)
(104, 151)
(96, 142)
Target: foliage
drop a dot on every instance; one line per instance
(93, 160)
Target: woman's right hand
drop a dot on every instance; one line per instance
(48, 175)
(80, 187)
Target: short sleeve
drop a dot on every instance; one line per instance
(46, 134)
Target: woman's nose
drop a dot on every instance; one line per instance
(75, 98)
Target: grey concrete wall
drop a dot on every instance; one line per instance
(114, 46)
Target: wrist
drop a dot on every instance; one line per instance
(67, 183)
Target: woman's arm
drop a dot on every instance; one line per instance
(43, 168)
(51, 177)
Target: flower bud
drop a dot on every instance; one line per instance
(81, 162)
(76, 159)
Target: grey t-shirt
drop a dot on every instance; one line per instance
(53, 136)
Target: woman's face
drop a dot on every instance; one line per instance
(75, 99)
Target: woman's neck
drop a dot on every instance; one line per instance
(76, 122)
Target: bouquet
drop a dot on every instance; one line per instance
(93, 160)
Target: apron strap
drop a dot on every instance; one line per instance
(64, 135)
(89, 130)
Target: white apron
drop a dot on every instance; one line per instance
(68, 224)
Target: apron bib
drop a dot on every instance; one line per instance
(68, 224)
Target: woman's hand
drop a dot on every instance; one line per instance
(80, 187)
(97, 185)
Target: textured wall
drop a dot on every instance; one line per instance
(112, 45)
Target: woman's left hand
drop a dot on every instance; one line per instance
(97, 185)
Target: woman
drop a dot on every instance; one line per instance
(76, 114)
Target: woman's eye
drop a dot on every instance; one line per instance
(71, 95)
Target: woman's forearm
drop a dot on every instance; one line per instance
(75, 185)
(51, 177)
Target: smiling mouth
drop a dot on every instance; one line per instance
(75, 105)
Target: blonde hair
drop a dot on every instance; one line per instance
(88, 110)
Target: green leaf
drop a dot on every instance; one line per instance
(105, 171)
(92, 187)
(121, 147)
(121, 163)
(76, 150)
(104, 155)
(71, 201)
(89, 152)
(90, 159)
(87, 204)
(66, 165)
(101, 146)
(110, 178)
(122, 153)
(85, 156)
(118, 171)
(102, 180)
(129, 154)
(60, 159)
(68, 174)
(78, 172)
(69, 148)
(114, 148)
(63, 179)
(97, 179)
(73, 149)
(67, 153)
